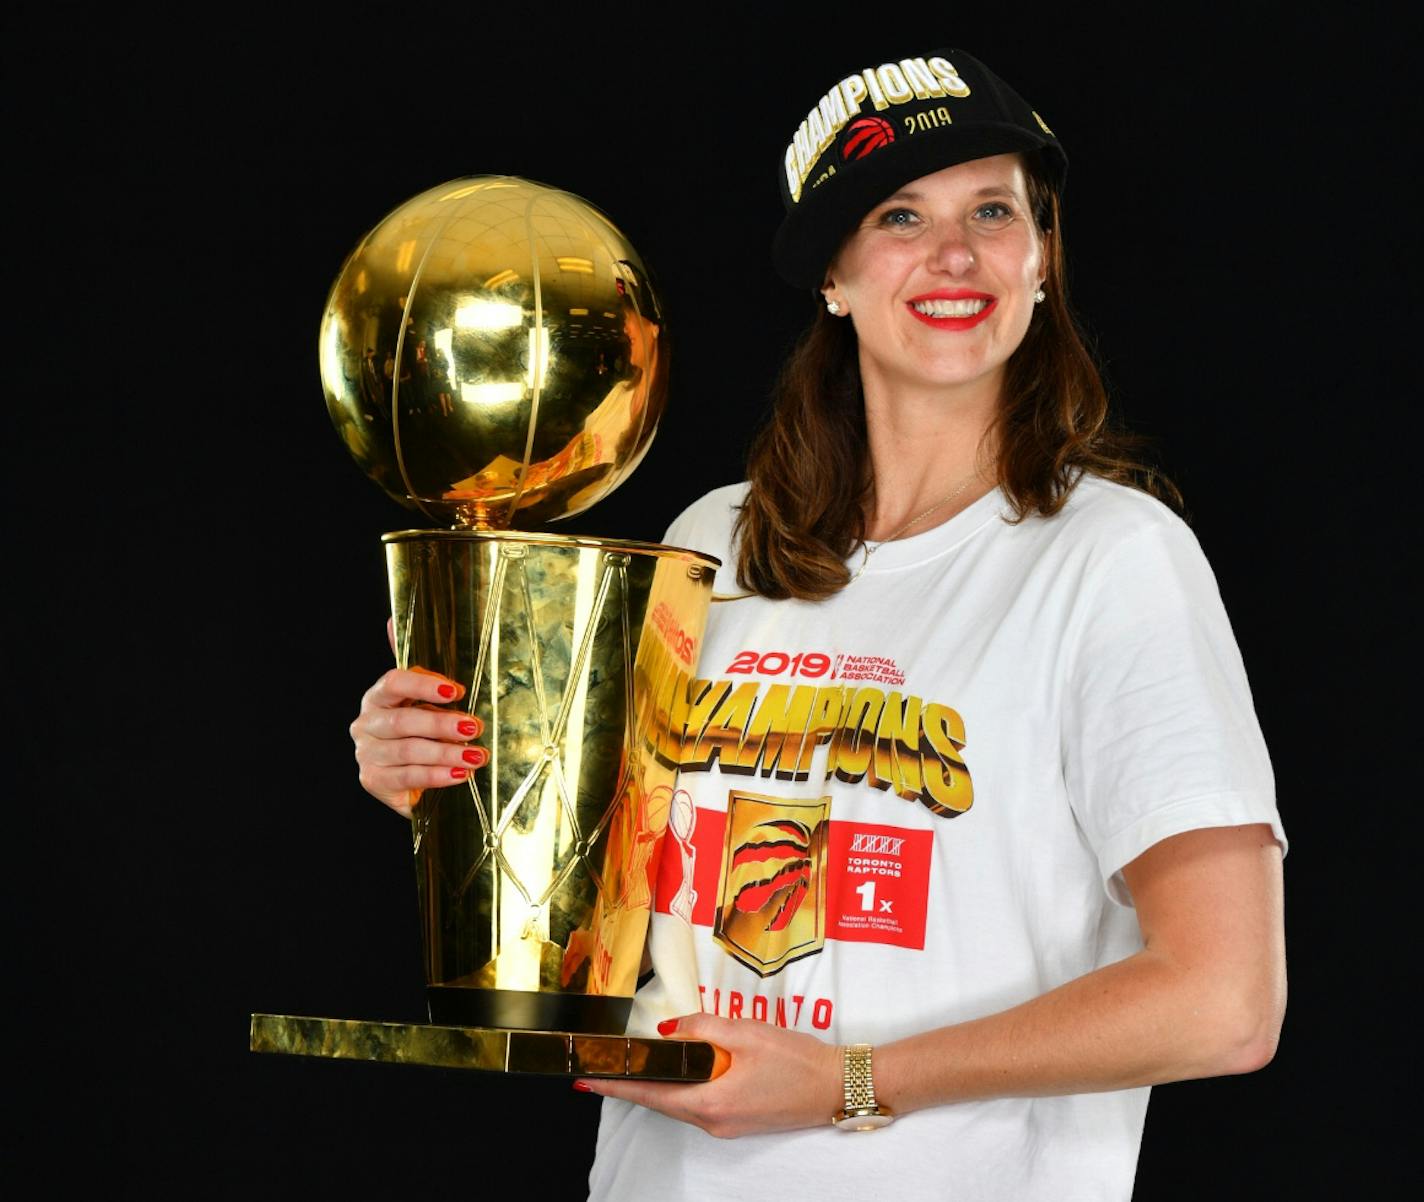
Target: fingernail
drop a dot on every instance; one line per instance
(445, 690)
(475, 756)
(667, 1026)
(470, 727)
(459, 773)
(583, 1087)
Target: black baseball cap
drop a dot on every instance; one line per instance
(884, 125)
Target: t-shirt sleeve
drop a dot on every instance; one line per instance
(1160, 734)
(677, 534)
(706, 525)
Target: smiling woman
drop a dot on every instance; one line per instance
(977, 835)
(939, 281)
(978, 246)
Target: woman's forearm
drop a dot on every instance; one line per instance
(1204, 998)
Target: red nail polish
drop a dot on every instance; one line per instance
(459, 773)
(446, 690)
(667, 1026)
(475, 756)
(583, 1087)
(469, 728)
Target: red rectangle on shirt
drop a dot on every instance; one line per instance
(877, 883)
(703, 855)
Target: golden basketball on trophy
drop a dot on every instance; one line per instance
(494, 356)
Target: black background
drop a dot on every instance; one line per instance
(196, 593)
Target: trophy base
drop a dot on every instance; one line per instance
(489, 1049)
(525, 1010)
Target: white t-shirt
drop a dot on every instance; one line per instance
(908, 806)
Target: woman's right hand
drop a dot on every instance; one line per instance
(406, 742)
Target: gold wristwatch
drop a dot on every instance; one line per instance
(862, 1112)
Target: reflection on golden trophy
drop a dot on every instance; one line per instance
(494, 355)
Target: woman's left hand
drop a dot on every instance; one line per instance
(778, 1080)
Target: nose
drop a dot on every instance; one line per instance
(951, 251)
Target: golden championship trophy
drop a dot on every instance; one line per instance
(493, 355)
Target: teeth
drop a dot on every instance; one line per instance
(950, 308)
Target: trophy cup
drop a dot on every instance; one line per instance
(493, 355)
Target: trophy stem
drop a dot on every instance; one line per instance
(475, 515)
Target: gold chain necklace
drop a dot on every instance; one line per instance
(919, 517)
(868, 550)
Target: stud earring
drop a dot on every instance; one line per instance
(1039, 297)
(833, 308)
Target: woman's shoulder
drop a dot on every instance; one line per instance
(1107, 514)
(1111, 532)
(707, 524)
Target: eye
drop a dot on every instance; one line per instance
(898, 219)
(993, 214)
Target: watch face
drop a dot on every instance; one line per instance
(869, 1121)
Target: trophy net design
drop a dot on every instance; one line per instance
(536, 873)
(494, 355)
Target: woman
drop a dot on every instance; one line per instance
(994, 798)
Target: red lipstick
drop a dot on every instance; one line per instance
(953, 323)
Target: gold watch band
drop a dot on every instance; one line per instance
(859, 1077)
(862, 1112)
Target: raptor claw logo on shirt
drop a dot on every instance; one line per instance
(771, 902)
(864, 135)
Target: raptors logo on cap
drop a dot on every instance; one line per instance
(864, 135)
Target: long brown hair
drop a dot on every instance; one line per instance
(809, 466)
